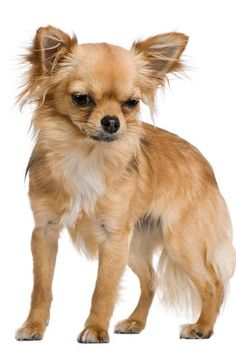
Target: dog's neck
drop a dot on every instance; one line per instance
(85, 169)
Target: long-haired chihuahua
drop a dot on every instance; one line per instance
(124, 189)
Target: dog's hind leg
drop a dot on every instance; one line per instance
(198, 256)
(143, 244)
(185, 270)
(211, 292)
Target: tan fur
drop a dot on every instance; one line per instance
(122, 200)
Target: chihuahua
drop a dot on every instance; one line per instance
(124, 189)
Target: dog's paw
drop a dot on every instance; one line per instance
(129, 326)
(195, 331)
(30, 331)
(93, 334)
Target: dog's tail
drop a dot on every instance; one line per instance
(176, 289)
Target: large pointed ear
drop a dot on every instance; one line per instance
(49, 46)
(159, 55)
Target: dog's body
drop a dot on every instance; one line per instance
(121, 187)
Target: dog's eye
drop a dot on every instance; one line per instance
(131, 103)
(82, 100)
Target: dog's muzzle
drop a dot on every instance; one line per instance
(110, 126)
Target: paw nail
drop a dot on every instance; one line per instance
(199, 334)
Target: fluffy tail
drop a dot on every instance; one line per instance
(175, 287)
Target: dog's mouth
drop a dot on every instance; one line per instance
(105, 137)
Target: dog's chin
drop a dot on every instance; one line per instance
(104, 137)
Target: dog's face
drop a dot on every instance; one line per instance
(98, 87)
(100, 93)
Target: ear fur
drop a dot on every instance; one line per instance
(161, 53)
(157, 56)
(50, 46)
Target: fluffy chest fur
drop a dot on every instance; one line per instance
(83, 176)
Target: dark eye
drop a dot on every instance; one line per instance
(131, 103)
(82, 100)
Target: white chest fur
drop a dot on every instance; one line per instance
(83, 175)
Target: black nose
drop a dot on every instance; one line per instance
(110, 124)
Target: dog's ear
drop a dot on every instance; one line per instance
(49, 46)
(159, 55)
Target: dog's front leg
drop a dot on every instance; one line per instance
(112, 260)
(44, 250)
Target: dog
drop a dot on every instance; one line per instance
(124, 189)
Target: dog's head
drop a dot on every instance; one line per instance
(98, 87)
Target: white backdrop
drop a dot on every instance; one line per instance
(200, 108)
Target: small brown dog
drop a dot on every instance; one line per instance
(122, 188)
